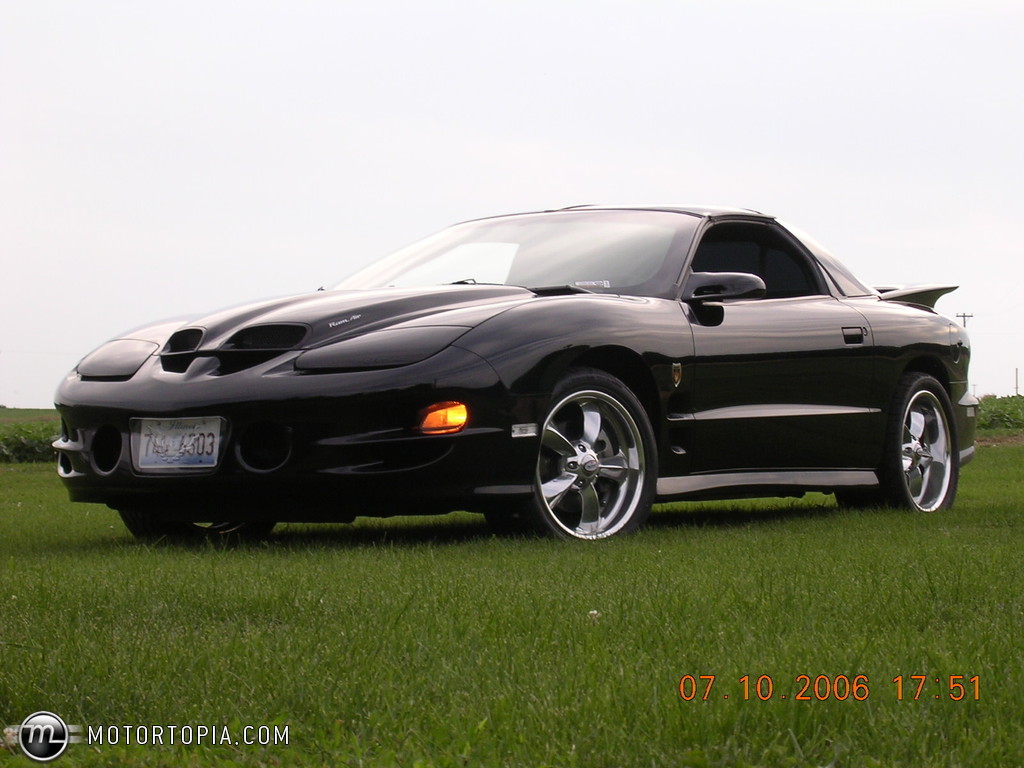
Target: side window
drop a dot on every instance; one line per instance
(759, 250)
(784, 274)
(727, 256)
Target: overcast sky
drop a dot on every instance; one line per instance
(158, 159)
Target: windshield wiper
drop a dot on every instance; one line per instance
(557, 290)
(542, 290)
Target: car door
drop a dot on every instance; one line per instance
(781, 382)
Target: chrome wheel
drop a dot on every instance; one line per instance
(594, 477)
(926, 451)
(920, 466)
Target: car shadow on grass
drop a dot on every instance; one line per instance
(461, 528)
(456, 528)
(725, 515)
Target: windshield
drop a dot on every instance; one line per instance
(607, 251)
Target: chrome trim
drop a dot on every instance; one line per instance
(773, 411)
(503, 490)
(967, 454)
(804, 478)
(65, 447)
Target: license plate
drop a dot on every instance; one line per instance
(175, 444)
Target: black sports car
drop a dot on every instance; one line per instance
(557, 371)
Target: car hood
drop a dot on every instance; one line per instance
(328, 316)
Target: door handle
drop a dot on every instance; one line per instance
(854, 335)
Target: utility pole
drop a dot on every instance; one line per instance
(963, 316)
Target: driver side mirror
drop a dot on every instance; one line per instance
(716, 286)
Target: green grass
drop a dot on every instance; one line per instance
(431, 643)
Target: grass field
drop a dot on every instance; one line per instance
(429, 642)
(22, 415)
(26, 434)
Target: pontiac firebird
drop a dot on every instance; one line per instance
(558, 371)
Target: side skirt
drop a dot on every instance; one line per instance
(966, 455)
(765, 483)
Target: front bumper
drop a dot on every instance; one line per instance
(303, 447)
(965, 407)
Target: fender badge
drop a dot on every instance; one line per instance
(336, 323)
(524, 430)
(677, 373)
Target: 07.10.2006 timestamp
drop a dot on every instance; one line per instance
(837, 687)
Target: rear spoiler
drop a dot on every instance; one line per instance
(922, 295)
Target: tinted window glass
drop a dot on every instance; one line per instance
(728, 256)
(759, 250)
(844, 279)
(608, 251)
(785, 275)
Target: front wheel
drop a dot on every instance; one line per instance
(921, 466)
(597, 463)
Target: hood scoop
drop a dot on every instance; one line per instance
(243, 337)
(278, 336)
(244, 349)
(185, 340)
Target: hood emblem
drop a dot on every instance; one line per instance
(336, 323)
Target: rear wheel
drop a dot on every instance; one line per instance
(150, 524)
(597, 464)
(921, 464)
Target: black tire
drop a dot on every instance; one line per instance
(148, 525)
(597, 465)
(921, 462)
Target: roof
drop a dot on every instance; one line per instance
(702, 211)
(696, 210)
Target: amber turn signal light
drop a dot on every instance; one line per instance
(443, 418)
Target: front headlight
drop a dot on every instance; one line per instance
(380, 349)
(118, 359)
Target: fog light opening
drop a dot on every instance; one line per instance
(106, 449)
(443, 418)
(264, 447)
(64, 467)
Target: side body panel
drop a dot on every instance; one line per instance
(783, 384)
(639, 340)
(912, 338)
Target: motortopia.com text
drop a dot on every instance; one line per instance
(185, 735)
